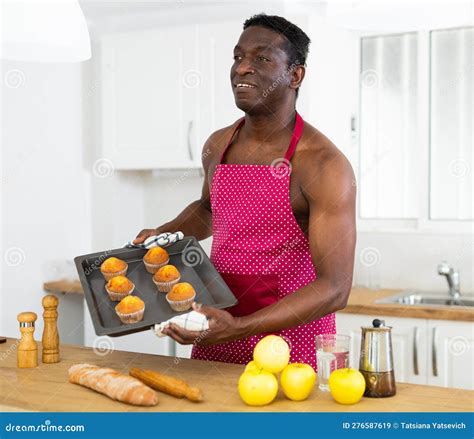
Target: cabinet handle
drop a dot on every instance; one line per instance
(434, 354)
(190, 149)
(415, 351)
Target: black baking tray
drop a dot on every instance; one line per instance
(189, 258)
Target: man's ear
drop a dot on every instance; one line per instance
(296, 76)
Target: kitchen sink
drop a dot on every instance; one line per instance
(425, 299)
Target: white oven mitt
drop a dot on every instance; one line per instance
(162, 240)
(192, 321)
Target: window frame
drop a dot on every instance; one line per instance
(423, 223)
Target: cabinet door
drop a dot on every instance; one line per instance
(408, 343)
(451, 354)
(216, 98)
(183, 351)
(409, 349)
(149, 98)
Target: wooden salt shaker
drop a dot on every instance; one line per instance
(50, 338)
(27, 352)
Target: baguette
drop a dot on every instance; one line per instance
(113, 384)
(167, 384)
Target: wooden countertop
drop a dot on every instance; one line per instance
(63, 286)
(46, 388)
(362, 301)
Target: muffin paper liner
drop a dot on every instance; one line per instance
(153, 268)
(117, 297)
(181, 305)
(133, 317)
(165, 287)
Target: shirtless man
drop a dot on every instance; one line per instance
(279, 200)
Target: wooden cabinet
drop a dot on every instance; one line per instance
(436, 352)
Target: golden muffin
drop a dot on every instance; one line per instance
(181, 296)
(118, 287)
(130, 309)
(166, 277)
(112, 267)
(155, 258)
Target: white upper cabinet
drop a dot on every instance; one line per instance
(149, 105)
(164, 91)
(389, 126)
(216, 50)
(452, 133)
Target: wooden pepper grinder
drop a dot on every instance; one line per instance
(27, 352)
(50, 338)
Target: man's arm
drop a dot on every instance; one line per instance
(331, 195)
(195, 219)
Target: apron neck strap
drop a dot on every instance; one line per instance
(237, 128)
(295, 137)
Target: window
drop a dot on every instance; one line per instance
(451, 132)
(388, 130)
(416, 128)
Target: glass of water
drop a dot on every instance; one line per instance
(332, 352)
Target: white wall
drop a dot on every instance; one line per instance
(408, 260)
(44, 189)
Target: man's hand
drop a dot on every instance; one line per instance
(144, 234)
(222, 327)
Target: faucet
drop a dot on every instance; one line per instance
(452, 276)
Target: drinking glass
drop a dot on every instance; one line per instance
(332, 352)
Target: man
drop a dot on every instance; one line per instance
(279, 199)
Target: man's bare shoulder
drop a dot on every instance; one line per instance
(316, 154)
(216, 142)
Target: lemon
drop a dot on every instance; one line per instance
(346, 385)
(272, 353)
(258, 387)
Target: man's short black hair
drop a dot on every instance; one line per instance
(297, 42)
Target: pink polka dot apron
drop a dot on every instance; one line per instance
(260, 251)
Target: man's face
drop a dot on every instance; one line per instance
(259, 75)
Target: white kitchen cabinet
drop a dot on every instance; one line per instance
(216, 98)
(408, 343)
(435, 352)
(450, 354)
(183, 351)
(164, 91)
(149, 105)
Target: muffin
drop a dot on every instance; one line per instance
(166, 277)
(130, 309)
(181, 296)
(118, 287)
(113, 267)
(155, 258)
